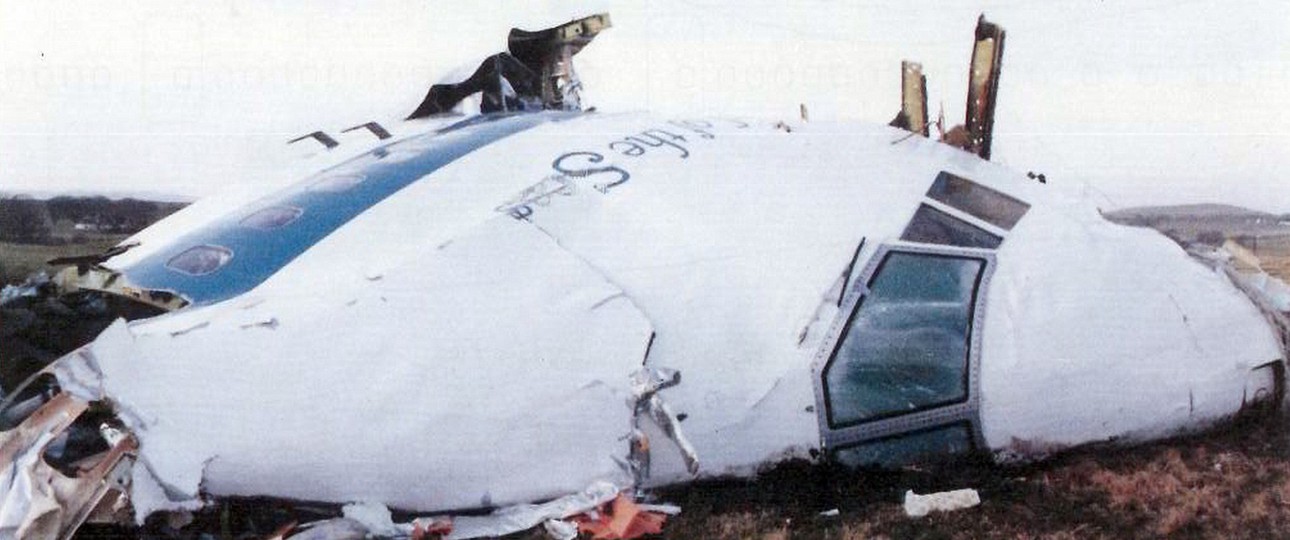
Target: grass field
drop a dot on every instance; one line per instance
(17, 261)
(1273, 253)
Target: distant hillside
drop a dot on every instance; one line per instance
(70, 219)
(1190, 210)
(1204, 223)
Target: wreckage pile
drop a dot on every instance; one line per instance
(602, 511)
(38, 325)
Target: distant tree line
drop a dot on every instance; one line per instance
(27, 220)
(24, 220)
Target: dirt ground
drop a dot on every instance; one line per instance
(1233, 482)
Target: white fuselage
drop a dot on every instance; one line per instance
(467, 341)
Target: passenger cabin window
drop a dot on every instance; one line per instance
(200, 260)
(906, 345)
(932, 226)
(273, 217)
(337, 183)
(986, 204)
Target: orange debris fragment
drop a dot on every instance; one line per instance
(620, 518)
(426, 528)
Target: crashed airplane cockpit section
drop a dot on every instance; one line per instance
(513, 307)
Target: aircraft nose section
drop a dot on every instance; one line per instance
(1120, 336)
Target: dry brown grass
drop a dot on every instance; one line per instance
(1230, 483)
(1273, 253)
(1220, 492)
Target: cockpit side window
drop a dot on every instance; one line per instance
(906, 345)
(988, 205)
(927, 445)
(897, 376)
(932, 226)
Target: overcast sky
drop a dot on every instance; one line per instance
(1150, 102)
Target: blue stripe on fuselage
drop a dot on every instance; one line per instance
(258, 254)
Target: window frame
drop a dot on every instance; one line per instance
(326, 183)
(170, 262)
(934, 208)
(295, 211)
(899, 423)
(1016, 208)
(973, 442)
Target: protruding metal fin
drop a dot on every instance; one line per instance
(319, 136)
(535, 73)
(376, 129)
(983, 86)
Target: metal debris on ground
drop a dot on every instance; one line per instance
(30, 287)
(945, 501)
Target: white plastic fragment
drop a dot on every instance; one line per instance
(375, 517)
(830, 513)
(30, 287)
(668, 509)
(920, 505)
(560, 529)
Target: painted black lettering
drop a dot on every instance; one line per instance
(591, 157)
(627, 148)
(522, 212)
(651, 138)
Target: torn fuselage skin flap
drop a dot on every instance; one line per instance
(114, 283)
(646, 402)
